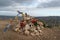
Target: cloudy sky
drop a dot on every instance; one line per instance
(32, 7)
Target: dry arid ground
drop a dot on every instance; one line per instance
(48, 34)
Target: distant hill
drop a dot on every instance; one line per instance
(49, 20)
(7, 17)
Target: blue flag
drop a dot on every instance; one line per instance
(19, 13)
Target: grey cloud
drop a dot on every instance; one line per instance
(24, 2)
(7, 9)
(55, 3)
(4, 3)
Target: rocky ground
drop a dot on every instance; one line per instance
(48, 34)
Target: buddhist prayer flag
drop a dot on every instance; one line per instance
(19, 13)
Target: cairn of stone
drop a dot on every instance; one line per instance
(28, 25)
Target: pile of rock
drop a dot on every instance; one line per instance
(29, 26)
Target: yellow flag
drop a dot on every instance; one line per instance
(22, 14)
